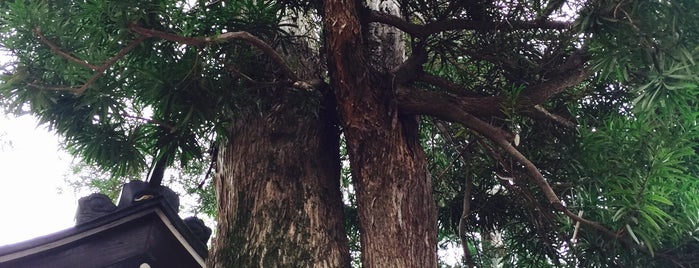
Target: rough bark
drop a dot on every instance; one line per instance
(394, 195)
(277, 184)
(386, 43)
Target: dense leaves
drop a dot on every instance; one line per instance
(159, 97)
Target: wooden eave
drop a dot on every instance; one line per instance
(149, 232)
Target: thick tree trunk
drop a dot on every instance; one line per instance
(277, 184)
(394, 195)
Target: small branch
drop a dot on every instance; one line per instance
(540, 181)
(222, 38)
(422, 31)
(234, 70)
(121, 53)
(54, 88)
(574, 239)
(554, 117)
(56, 49)
(461, 24)
(466, 206)
(212, 165)
(99, 72)
(464, 218)
(87, 84)
(440, 82)
(150, 121)
(262, 45)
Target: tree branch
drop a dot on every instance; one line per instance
(538, 94)
(413, 65)
(442, 103)
(57, 50)
(455, 113)
(430, 101)
(102, 68)
(53, 88)
(422, 31)
(442, 83)
(552, 6)
(554, 117)
(491, 133)
(222, 38)
(445, 106)
(468, 184)
(99, 70)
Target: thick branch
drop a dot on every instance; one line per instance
(423, 100)
(222, 38)
(446, 107)
(538, 94)
(422, 31)
(441, 103)
(409, 69)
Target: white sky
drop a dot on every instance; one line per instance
(31, 171)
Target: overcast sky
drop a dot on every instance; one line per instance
(31, 171)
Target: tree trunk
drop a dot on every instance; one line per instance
(394, 194)
(277, 184)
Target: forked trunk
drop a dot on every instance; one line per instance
(277, 184)
(394, 195)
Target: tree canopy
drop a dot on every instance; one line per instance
(555, 133)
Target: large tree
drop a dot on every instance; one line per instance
(566, 129)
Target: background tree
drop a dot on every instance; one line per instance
(540, 133)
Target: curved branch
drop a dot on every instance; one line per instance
(422, 31)
(447, 107)
(455, 113)
(222, 38)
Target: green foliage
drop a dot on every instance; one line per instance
(641, 179)
(160, 97)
